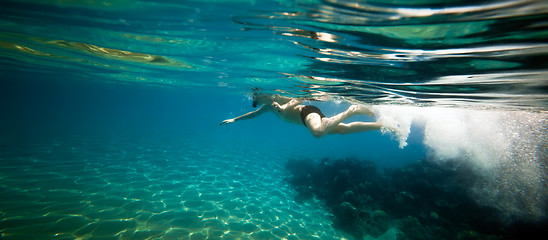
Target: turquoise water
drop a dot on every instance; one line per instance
(110, 112)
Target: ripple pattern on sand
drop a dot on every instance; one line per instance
(129, 191)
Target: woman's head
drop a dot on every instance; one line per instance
(260, 98)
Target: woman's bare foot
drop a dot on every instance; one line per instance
(361, 109)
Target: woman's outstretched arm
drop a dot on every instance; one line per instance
(248, 115)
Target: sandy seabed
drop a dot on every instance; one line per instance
(128, 191)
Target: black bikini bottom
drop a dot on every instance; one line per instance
(308, 109)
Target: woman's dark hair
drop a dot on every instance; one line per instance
(255, 90)
(254, 103)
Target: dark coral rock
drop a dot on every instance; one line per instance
(422, 200)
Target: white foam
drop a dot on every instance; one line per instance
(396, 120)
(506, 149)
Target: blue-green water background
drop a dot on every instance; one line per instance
(52, 108)
(111, 109)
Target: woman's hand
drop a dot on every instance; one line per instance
(276, 106)
(225, 122)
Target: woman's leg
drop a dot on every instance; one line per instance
(319, 126)
(355, 127)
